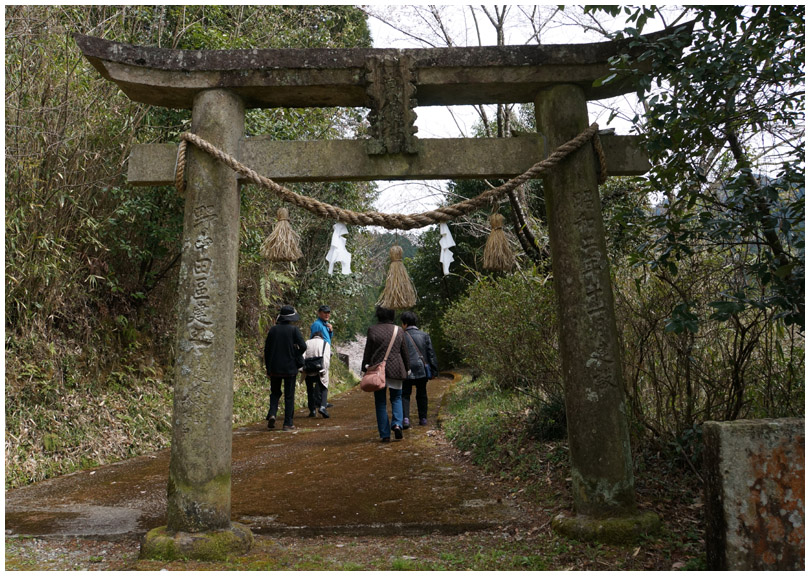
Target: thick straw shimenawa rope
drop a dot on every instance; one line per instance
(391, 221)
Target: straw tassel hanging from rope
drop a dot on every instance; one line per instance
(497, 254)
(399, 292)
(282, 244)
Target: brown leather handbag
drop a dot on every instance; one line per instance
(374, 378)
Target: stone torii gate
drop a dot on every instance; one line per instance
(219, 85)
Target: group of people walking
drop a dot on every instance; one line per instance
(285, 356)
(407, 351)
(410, 363)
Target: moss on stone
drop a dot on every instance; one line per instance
(197, 508)
(159, 544)
(621, 530)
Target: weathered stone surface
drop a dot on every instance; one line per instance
(336, 77)
(601, 465)
(200, 470)
(215, 545)
(755, 494)
(622, 530)
(390, 89)
(347, 160)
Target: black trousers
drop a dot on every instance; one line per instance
(421, 397)
(289, 397)
(316, 393)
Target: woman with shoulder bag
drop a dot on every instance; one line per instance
(385, 342)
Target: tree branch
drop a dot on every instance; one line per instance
(763, 210)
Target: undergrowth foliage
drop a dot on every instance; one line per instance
(91, 263)
(498, 429)
(58, 420)
(748, 366)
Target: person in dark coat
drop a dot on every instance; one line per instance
(396, 370)
(424, 366)
(283, 357)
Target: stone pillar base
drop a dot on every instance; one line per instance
(158, 544)
(623, 530)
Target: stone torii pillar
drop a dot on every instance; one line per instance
(199, 492)
(599, 442)
(219, 85)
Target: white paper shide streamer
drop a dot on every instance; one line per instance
(446, 242)
(337, 250)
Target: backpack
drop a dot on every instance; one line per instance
(314, 366)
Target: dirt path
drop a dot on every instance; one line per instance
(332, 497)
(329, 477)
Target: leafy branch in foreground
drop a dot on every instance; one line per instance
(724, 124)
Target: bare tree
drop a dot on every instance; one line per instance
(434, 26)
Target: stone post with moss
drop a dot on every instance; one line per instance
(601, 464)
(199, 494)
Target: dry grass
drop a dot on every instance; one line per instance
(69, 409)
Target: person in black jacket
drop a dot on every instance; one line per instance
(283, 357)
(424, 366)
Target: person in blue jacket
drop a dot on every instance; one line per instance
(322, 325)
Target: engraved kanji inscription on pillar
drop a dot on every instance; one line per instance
(200, 469)
(601, 464)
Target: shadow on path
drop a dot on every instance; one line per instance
(328, 476)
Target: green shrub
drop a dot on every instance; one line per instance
(506, 327)
(547, 421)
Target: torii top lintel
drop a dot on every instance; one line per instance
(269, 78)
